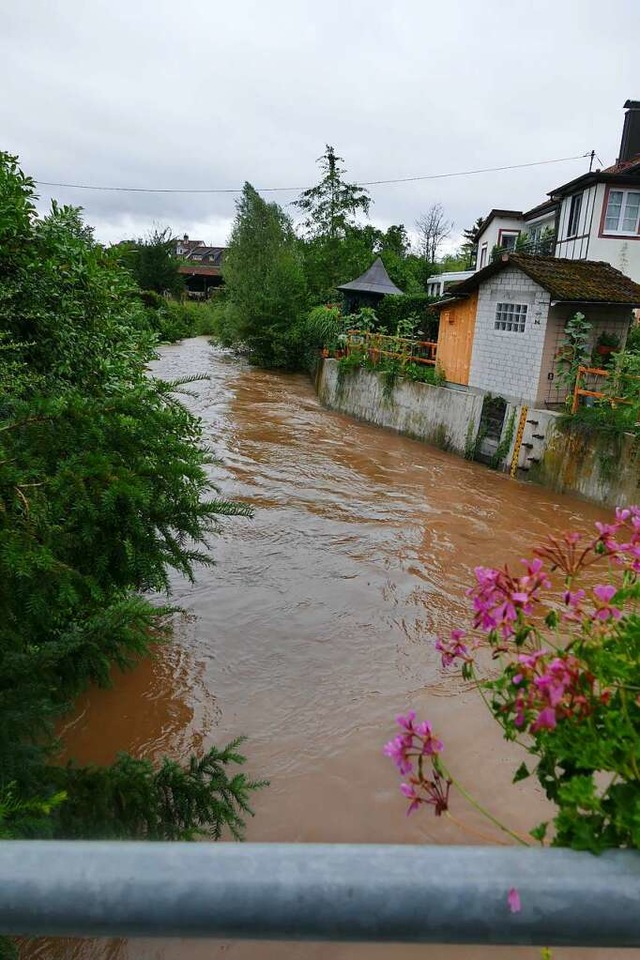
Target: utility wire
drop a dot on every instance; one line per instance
(361, 183)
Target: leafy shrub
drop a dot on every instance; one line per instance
(103, 489)
(417, 308)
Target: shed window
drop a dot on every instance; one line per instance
(511, 317)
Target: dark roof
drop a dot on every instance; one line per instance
(209, 254)
(578, 281)
(374, 280)
(195, 269)
(513, 214)
(625, 173)
(547, 207)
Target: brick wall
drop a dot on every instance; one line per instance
(502, 362)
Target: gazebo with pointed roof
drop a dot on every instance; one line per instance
(368, 289)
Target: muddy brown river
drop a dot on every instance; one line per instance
(316, 627)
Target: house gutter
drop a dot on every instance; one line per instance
(597, 303)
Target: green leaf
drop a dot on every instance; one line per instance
(521, 773)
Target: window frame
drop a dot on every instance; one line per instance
(575, 210)
(508, 233)
(606, 231)
(512, 316)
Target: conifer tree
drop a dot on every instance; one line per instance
(103, 490)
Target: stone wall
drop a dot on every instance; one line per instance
(444, 417)
(603, 470)
(599, 468)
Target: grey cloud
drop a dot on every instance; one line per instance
(206, 95)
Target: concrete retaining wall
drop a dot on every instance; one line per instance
(605, 470)
(440, 416)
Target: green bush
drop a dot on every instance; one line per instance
(416, 308)
(633, 339)
(175, 320)
(103, 490)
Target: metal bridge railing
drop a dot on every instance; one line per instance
(425, 894)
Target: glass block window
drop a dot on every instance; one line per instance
(511, 317)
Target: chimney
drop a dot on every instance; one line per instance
(630, 143)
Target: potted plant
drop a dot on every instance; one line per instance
(606, 344)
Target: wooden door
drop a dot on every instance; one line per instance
(455, 339)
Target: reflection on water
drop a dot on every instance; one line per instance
(315, 628)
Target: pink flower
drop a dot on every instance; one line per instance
(398, 749)
(604, 593)
(546, 720)
(574, 599)
(513, 900)
(410, 792)
(406, 720)
(453, 649)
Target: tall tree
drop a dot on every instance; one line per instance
(469, 248)
(333, 204)
(264, 280)
(335, 245)
(433, 229)
(153, 262)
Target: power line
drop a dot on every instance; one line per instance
(361, 183)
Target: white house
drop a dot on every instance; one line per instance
(438, 284)
(594, 217)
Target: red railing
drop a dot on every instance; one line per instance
(580, 391)
(378, 345)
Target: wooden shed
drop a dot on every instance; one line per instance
(455, 338)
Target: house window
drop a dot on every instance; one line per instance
(623, 212)
(507, 239)
(483, 255)
(511, 317)
(574, 214)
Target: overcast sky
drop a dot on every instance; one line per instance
(197, 94)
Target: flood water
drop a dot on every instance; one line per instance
(316, 627)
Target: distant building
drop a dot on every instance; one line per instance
(201, 267)
(184, 245)
(438, 284)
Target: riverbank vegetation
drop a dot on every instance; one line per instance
(616, 412)
(275, 277)
(103, 491)
(276, 280)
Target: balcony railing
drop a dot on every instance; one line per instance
(413, 894)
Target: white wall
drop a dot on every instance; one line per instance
(503, 363)
(491, 234)
(623, 253)
(576, 247)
